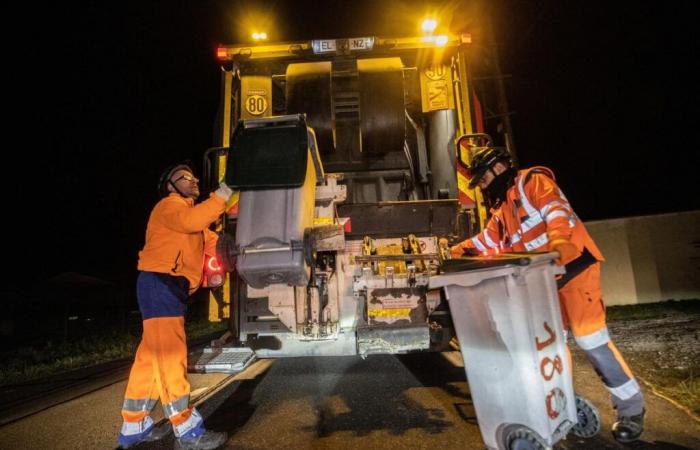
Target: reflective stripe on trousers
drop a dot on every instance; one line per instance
(138, 405)
(194, 419)
(132, 428)
(176, 406)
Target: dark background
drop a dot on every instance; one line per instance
(101, 96)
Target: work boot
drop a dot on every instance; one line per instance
(150, 434)
(628, 429)
(208, 440)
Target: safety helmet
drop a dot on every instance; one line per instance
(164, 179)
(485, 158)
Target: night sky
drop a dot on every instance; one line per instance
(106, 94)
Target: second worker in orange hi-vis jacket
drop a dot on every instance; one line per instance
(170, 270)
(531, 214)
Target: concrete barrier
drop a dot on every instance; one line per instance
(649, 258)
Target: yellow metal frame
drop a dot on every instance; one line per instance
(465, 117)
(216, 314)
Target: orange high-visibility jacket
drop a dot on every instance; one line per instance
(178, 237)
(534, 213)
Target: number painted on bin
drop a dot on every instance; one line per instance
(556, 402)
(555, 364)
(552, 338)
(549, 368)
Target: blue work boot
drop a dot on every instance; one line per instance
(628, 429)
(149, 434)
(200, 439)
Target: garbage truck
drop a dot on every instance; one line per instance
(344, 154)
(349, 161)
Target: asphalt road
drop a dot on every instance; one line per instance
(416, 401)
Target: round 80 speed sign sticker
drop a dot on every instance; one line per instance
(256, 105)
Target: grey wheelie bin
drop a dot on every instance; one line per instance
(507, 318)
(274, 162)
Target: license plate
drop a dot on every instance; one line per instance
(365, 43)
(353, 44)
(324, 46)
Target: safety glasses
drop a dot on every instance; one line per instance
(188, 178)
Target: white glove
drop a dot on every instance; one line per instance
(224, 192)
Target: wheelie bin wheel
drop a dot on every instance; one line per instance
(588, 418)
(523, 438)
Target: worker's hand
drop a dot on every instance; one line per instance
(224, 192)
(456, 251)
(567, 251)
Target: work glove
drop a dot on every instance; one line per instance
(224, 192)
(567, 251)
(456, 251)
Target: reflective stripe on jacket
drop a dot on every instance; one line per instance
(178, 237)
(535, 213)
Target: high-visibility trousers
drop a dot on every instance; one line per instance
(583, 312)
(160, 366)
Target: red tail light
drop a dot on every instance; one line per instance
(213, 264)
(213, 273)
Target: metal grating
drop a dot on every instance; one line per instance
(224, 360)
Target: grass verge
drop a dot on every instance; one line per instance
(653, 310)
(51, 358)
(680, 384)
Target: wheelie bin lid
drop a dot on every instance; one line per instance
(484, 262)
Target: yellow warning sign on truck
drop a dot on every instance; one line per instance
(436, 88)
(257, 96)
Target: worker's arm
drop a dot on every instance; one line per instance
(488, 242)
(551, 203)
(175, 213)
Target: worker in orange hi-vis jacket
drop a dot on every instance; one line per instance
(530, 213)
(170, 270)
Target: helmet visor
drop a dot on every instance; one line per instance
(475, 175)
